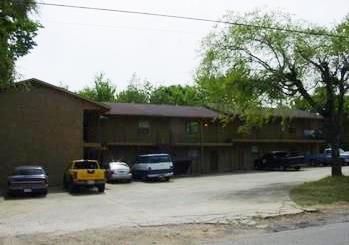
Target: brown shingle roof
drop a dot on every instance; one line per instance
(150, 110)
(35, 81)
(275, 112)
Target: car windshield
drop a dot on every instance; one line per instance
(153, 159)
(29, 171)
(115, 164)
(86, 165)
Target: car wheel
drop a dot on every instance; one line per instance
(9, 194)
(144, 178)
(71, 187)
(65, 184)
(101, 188)
(297, 168)
(167, 179)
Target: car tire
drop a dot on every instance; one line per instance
(71, 187)
(65, 184)
(101, 188)
(297, 168)
(144, 178)
(9, 194)
(167, 179)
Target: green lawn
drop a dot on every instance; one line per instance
(325, 191)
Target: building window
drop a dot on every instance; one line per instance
(144, 128)
(192, 128)
(292, 130)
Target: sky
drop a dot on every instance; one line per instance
(75, 45)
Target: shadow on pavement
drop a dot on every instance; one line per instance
(262, 194)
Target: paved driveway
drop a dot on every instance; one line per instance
(183, 200)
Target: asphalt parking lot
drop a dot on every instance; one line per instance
(182, 200)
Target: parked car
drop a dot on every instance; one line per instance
(28, 179)
(84, 173)
(325, 158)
(119, 171)
(280, 160)
(153, 166)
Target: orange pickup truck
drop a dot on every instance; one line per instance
(84, 173)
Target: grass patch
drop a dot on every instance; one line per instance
(328, 190)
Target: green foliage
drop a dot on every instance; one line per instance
(177, 95)
(136, 92)
(17, 32)
(246, 67)
(142, 92)
(328, 190)
(319, 96)
(103, 90)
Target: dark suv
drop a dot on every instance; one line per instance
(28, 179)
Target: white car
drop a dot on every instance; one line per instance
(119, 171)
(153, 166)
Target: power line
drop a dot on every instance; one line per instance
(190, 18)
(122, 27)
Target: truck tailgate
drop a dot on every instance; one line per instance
(90, 174)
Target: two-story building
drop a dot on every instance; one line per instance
(195, 137)
(41, 124)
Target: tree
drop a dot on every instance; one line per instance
(17, 32)
(136, 92)
(319, 96)
(177, 95)
(252, 67)
(103, 90)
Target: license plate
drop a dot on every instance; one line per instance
(90, 182)
(27, 190)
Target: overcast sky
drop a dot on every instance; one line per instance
(76, 44)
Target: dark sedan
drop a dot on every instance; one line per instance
(28, 179)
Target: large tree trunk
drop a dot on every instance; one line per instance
(334, 138)
(336, 160)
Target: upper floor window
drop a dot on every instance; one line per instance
(292, 130)
(144, 127)
(192, 128)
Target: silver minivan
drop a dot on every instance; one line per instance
(153, 166)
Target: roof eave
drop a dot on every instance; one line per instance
(40, 82)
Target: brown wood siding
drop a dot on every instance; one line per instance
(40, 126)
